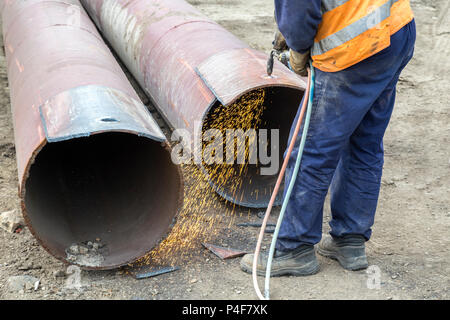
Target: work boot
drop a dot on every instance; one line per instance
(298, 262)
(348, 250)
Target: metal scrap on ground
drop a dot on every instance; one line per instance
(270, 227)
(224, 253)
(145, 272)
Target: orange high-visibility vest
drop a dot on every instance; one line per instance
(354, 30)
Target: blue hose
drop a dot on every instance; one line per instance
(291, 186)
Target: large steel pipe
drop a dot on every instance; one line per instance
(190, 67)
(97, 186)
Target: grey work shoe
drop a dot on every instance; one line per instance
(299, 262)
(348, 250)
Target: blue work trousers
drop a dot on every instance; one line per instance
(344, 147)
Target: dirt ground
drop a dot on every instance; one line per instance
(411, 236)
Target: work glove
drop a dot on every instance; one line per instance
(279, 44)
(299, 62)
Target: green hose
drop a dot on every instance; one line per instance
(291, 185)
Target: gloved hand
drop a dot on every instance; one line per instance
(299, 62)
(279, 43)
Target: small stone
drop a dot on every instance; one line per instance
(18, 283)
(29, 286)
(193, 281)
(59, 274)
(74, 249)
(389, 182)
(83, 250)
(188, 289)
(71, 257)
(10, 221)
(25, 267)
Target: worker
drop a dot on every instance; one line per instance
(358, 49)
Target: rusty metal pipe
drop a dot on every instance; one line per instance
(189, 66)
(97, 186)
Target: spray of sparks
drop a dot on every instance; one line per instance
(202, 212)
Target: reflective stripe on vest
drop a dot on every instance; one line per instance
(332, 4)
(361, 26)
(355, 29)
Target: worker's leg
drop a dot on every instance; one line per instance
(328, 133)
(341, 102)
(356, 183)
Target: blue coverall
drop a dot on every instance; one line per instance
(344, 147)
